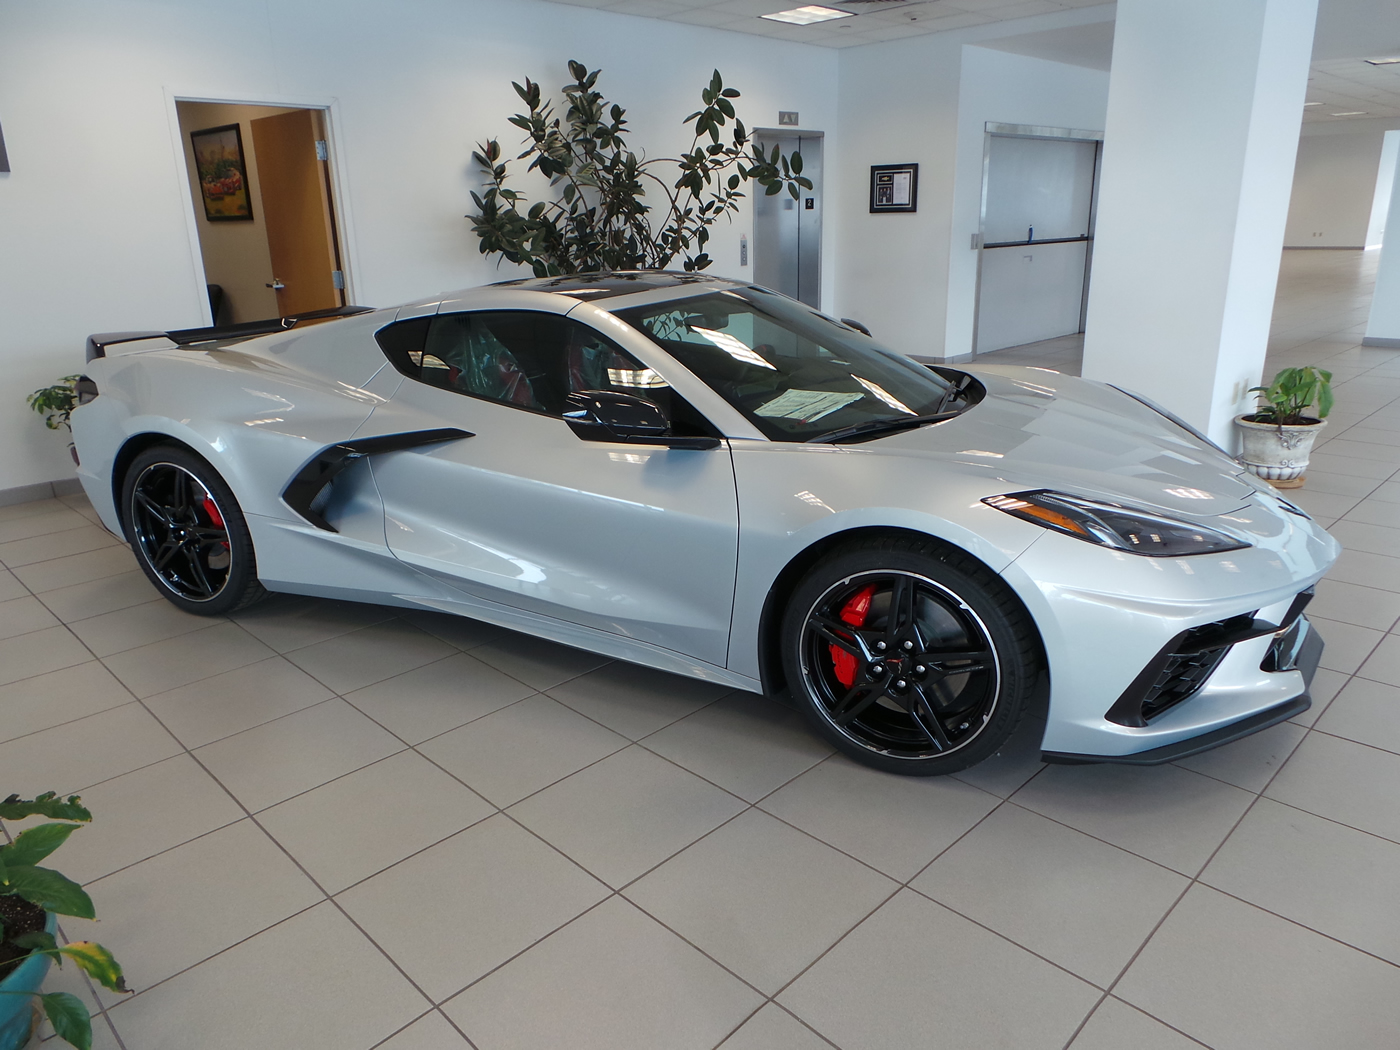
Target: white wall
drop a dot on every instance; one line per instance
(1334, 185)
(1385, 178)
(1383, 324)
(912, 278)
(97, 218)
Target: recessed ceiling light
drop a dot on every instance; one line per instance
(806, 16)
(1351, 113)
(1383, 61)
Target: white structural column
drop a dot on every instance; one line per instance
(1205, 103)
(1383, 327)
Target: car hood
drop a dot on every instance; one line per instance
(1041, 429)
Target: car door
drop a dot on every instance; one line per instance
(637, 540)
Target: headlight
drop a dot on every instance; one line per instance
(1112, 525)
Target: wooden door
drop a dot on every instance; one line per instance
(295, 187)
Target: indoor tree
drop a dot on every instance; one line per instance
(599, 217)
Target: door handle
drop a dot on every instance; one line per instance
(276, 285)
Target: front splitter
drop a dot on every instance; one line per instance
(1308, 657)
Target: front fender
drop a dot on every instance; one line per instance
(797, 498)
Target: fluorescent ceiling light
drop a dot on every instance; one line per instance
(1382, 61)
(1351, 113)
(805, 16)
(1307, 104)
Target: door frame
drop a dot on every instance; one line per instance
(993, 129)
(340, 197)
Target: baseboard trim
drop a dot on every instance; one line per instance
(1376, 340)
(41, 490)
(1324, 247)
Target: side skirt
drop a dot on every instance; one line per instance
(590, 639)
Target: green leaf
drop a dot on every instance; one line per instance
(46, 805)
(50, 890)
(69, 1018)
(796, 163)
(34, 844)
(1325, 399)
(38, 941)
(98, 963)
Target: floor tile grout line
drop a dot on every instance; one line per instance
(71, 721)
(279, 845)
(326, 897)
(1194, 881)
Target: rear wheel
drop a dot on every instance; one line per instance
(188, 532)
(909, 656)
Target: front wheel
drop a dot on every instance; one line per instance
(909, 656)
(188, 532)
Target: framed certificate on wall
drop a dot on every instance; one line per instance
(894, 187)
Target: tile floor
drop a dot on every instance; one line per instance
(322, 825)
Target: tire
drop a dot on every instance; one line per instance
(935, 688)
(188, 533)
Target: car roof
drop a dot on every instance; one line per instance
(595, 286)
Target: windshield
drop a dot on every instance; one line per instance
(794, 373)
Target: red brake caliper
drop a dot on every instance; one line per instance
(854, 612)
(212, 510)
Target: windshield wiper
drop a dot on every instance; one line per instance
(876, 427)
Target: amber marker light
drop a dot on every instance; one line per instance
(1042, 515)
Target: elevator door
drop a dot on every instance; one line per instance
(1037, 229)
(787, 233)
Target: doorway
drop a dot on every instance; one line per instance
(787, 233)
(1037, 233)
(261, 187)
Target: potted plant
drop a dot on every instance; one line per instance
(598, 216)
(30, 898)
(56, 403)
(1278, 437)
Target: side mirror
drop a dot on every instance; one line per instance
(606, 415)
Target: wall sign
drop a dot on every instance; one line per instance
(894, 187)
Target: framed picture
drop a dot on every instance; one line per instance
(894, 187)
(223, 177)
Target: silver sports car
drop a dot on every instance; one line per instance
(709, 478)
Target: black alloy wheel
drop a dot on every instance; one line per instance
(188, 533)
(908, 656)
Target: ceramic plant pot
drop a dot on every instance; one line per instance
(1278, 454)
(18, 1013)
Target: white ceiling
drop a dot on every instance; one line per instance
(1347, 32)
(873, 21)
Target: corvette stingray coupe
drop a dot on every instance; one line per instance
(706, 477)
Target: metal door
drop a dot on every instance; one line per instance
(637, 540)
(1037, 231)
(787, 233)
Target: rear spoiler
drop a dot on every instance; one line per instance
(98, 343)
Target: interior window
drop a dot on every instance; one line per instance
(526, 359)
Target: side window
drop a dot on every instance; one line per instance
(525, 359)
